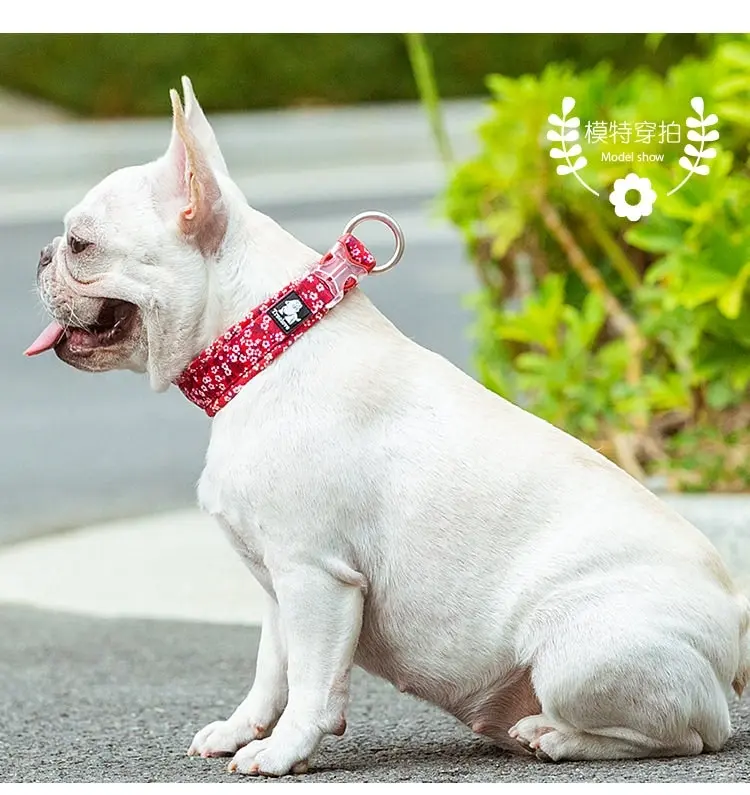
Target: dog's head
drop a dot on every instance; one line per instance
(127, 283)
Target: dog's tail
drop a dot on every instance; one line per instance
(742, 677)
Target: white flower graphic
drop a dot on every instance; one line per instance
(646, 197)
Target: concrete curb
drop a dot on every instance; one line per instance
(180, 566)
(176, 565)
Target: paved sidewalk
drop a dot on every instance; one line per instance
(95, 700)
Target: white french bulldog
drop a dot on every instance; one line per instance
(399, 516)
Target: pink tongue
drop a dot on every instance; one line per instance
(46, 340)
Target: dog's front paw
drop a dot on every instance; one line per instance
(268, 757)
(224, 738)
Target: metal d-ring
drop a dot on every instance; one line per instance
(374, 215)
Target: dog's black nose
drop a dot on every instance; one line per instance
(45, 257)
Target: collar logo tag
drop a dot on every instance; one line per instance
(289, 312)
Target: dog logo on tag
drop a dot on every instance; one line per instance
(289, 312)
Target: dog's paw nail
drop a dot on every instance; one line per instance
(542, 757)
(232, 767)
(301, 767)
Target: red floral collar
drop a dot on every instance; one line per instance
(217, 374)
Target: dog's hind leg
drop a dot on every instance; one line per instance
(554, 741)
(624, 695)
(492, 711)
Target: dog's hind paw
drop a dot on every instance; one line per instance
(528, 731)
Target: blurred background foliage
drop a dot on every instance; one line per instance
(632, 336)
(109, 75)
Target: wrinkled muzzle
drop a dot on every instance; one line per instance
(87, 332)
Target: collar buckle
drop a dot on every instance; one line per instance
(339, 271)
(345, 264)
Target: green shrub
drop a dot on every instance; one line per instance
(130, 74)
(632, 336)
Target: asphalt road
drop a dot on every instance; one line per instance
(77, 448)
(121, 700)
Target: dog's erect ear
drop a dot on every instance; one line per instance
(192, 159)
(201, 128)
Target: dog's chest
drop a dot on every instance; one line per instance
(220, 494)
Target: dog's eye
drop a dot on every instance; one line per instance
(77, 245)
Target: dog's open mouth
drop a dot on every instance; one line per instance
(113, 324)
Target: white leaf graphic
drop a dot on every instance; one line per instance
(567, 131)
(686, 164)
(711, 135)
(581, 162)
(698, 131)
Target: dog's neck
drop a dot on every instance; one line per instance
(257, 259)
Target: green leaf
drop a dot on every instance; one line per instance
(720, 395)
(730, 302)
(668, 393)
(653, 40)
(656, 234)
(532, 362)
(735, 53)
(737, 112)
(506, 225)
(736, 84)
